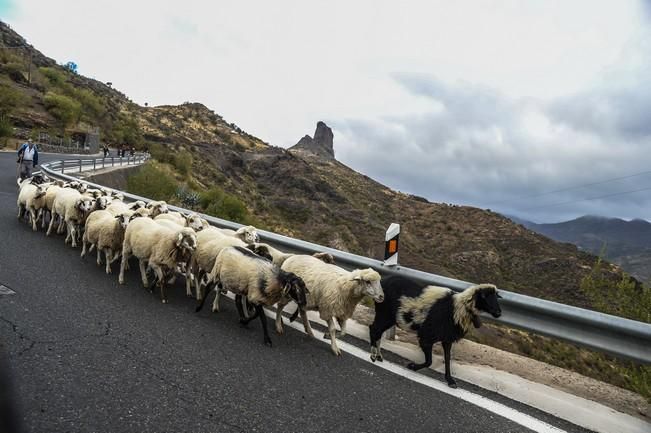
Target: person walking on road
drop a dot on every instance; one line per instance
(27, 159)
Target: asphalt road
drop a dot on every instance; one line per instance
(88, 355)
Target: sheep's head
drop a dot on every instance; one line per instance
(84, 204)
(156, 208)
(261, 250)
(142, 212)
(105, 191)
(96, 193)
(248, 234)
(186, 240)
(40, 191)
(133, 216)
(136, 205)
(293, 287)
(369, 283)
(486, 299)
(82, 187)
(194, 222)
(123, 220)
(101, 203)
(118, 196)
(325, 258)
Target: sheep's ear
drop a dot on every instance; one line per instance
(179, 239)
(286, 288)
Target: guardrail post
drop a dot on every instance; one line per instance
(120, 161)
(94, 164)
(103, 162)
(113, 161)
(80, 165)
(63, 166)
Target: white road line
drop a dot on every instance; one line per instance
(4, 290)
(485, 403)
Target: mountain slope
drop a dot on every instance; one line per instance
(626, 243)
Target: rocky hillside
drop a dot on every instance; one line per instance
(304, 191)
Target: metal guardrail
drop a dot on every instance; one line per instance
(78, 165)
(617, 336)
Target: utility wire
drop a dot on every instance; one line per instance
(589, 198)
(571, 188)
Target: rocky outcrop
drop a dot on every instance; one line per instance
(321, 145)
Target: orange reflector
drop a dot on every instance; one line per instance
(393, 246)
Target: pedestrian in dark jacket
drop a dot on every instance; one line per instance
(27, 158)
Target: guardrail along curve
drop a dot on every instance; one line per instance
(614, 335)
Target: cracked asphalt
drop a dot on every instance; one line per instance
(88, 355)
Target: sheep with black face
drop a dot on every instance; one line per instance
(437, 314)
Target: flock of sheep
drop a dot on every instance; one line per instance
(210, 259)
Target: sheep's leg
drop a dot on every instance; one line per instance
(20, 211)
(240, 310)
(426, 347)
(342, 326)
(143, 273)
(333, 336)
(376, 330)
(107, 256)
(62, 226)
(161, 282)
(218, 292)
(259, 311)
(84, 246)
(72, 232)
(306, 322)
(123, 263)
(99, 257)
(198, 276)
(188, 280)
(44, 215)
(447, 348)
(32, 214)
(279, 317)
(51, 226)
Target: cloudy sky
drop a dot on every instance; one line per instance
(506, 105)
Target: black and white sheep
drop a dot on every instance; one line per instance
(249, 275)
(435, 313)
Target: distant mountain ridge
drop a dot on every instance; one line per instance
(626, 243)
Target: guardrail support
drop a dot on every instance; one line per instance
(80, 161)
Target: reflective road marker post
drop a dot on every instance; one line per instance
(391, 244)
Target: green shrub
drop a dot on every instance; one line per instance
(14, 71)
(126, 131)
(625, 298)
(183, 162)
(152, 182)
(220, 204)
(55, 77)
(91, 104)
(10, 100)
(6, 129)
(63, 108)
(161, 153)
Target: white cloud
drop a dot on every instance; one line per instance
(475, 101)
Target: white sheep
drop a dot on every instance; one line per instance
(72, 208)
(106, 232)
(31, 198)
(333, 291)
(191, 220)
(118, 206)
(158, 247)
(248, 234)
(156, 208)
(246, 274)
